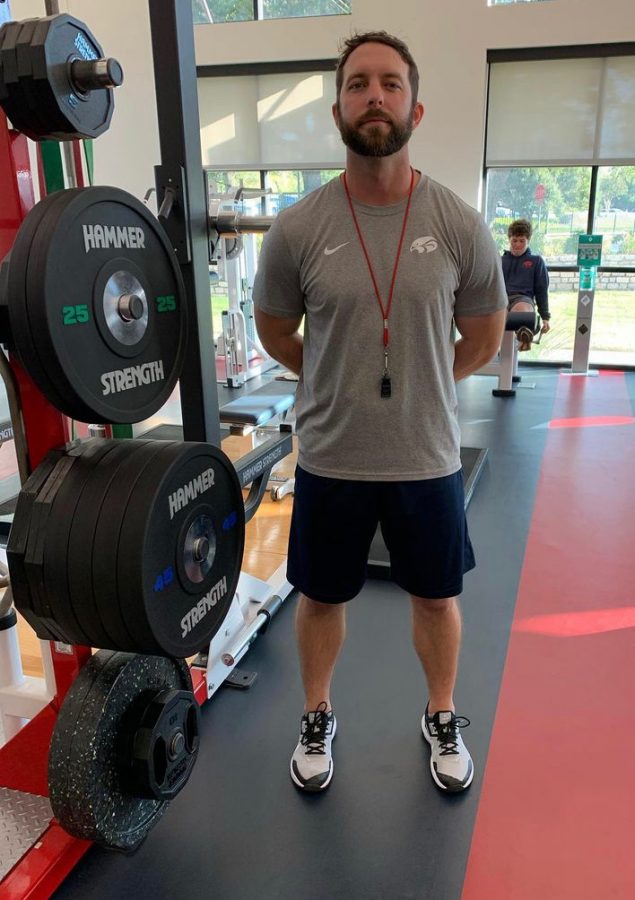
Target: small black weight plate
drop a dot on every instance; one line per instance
(32, 114)
(58, 41)
(38, 531)
(164, 745)
(15, 71)
(56, 542)
(20, 336)
(180, 548)
(70, 284)
(10, 91)
(107, 535)
(81, 546)
(18, 541)
(82, 551)
(87, 792)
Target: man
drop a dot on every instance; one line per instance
(526, 280)
(379, 262)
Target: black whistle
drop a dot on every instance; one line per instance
(385, 386)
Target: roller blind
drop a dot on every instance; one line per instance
(269, 121)
(562, 112)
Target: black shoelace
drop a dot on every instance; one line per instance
(314, 737)
(448, 733)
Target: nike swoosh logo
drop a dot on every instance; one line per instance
(327, 251)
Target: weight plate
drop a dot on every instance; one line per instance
(106, 545)
(164, 745)
(56, 542)
(39, 528)
(17, 544)
(71, 256)
(81, 546)
(10, 96)
(180, 548)
(32, 114)
(20, 338)
(88, 767)
(57, 41)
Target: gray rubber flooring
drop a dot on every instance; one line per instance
(241, 831)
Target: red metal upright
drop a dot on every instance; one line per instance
(23, 760)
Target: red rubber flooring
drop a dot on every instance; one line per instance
(556, 817)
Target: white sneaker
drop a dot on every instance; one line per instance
(312, 764)
(450, 762)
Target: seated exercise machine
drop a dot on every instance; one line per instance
(234, 251)
(505, 363)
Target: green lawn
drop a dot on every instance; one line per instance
(612, 330)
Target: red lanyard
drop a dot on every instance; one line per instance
(385, 385)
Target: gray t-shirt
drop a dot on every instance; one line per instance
(312, 265)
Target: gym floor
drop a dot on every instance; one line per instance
(546, 670)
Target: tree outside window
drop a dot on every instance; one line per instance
(215, 11)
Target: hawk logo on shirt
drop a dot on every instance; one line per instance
(528, 264)
(424, 244)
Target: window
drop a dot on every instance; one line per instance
(555, 200)
(501, 2)
(279, 189)
(564, 159)
(269, 121)
(288, 186)
(214, 11)
(551, 112)
(614, 215)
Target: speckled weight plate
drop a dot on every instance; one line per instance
(87, 764)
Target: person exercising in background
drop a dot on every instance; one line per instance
(380, 263)
(526, 280)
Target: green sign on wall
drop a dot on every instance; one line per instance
(589, 250)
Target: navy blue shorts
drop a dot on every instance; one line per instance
(422, 522)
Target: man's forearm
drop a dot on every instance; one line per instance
(470, 356)
(287, 350)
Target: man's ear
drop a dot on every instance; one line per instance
(336, 115)
(417, 114)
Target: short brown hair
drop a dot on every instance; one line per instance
(377, 37)
(520, 228)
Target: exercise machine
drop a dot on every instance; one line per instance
(234, 252)
(505, 363)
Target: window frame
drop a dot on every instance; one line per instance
(580, 51)
(625, 48)
(258, 15)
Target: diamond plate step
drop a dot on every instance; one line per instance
(23, 820)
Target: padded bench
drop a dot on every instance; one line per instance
(260, 406)
(254, 411)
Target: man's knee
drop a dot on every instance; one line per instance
(318, 608)
(426, 606)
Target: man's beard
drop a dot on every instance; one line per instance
(374, 141)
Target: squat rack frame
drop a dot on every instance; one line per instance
(181, 189)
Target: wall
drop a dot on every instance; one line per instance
(449, 39)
